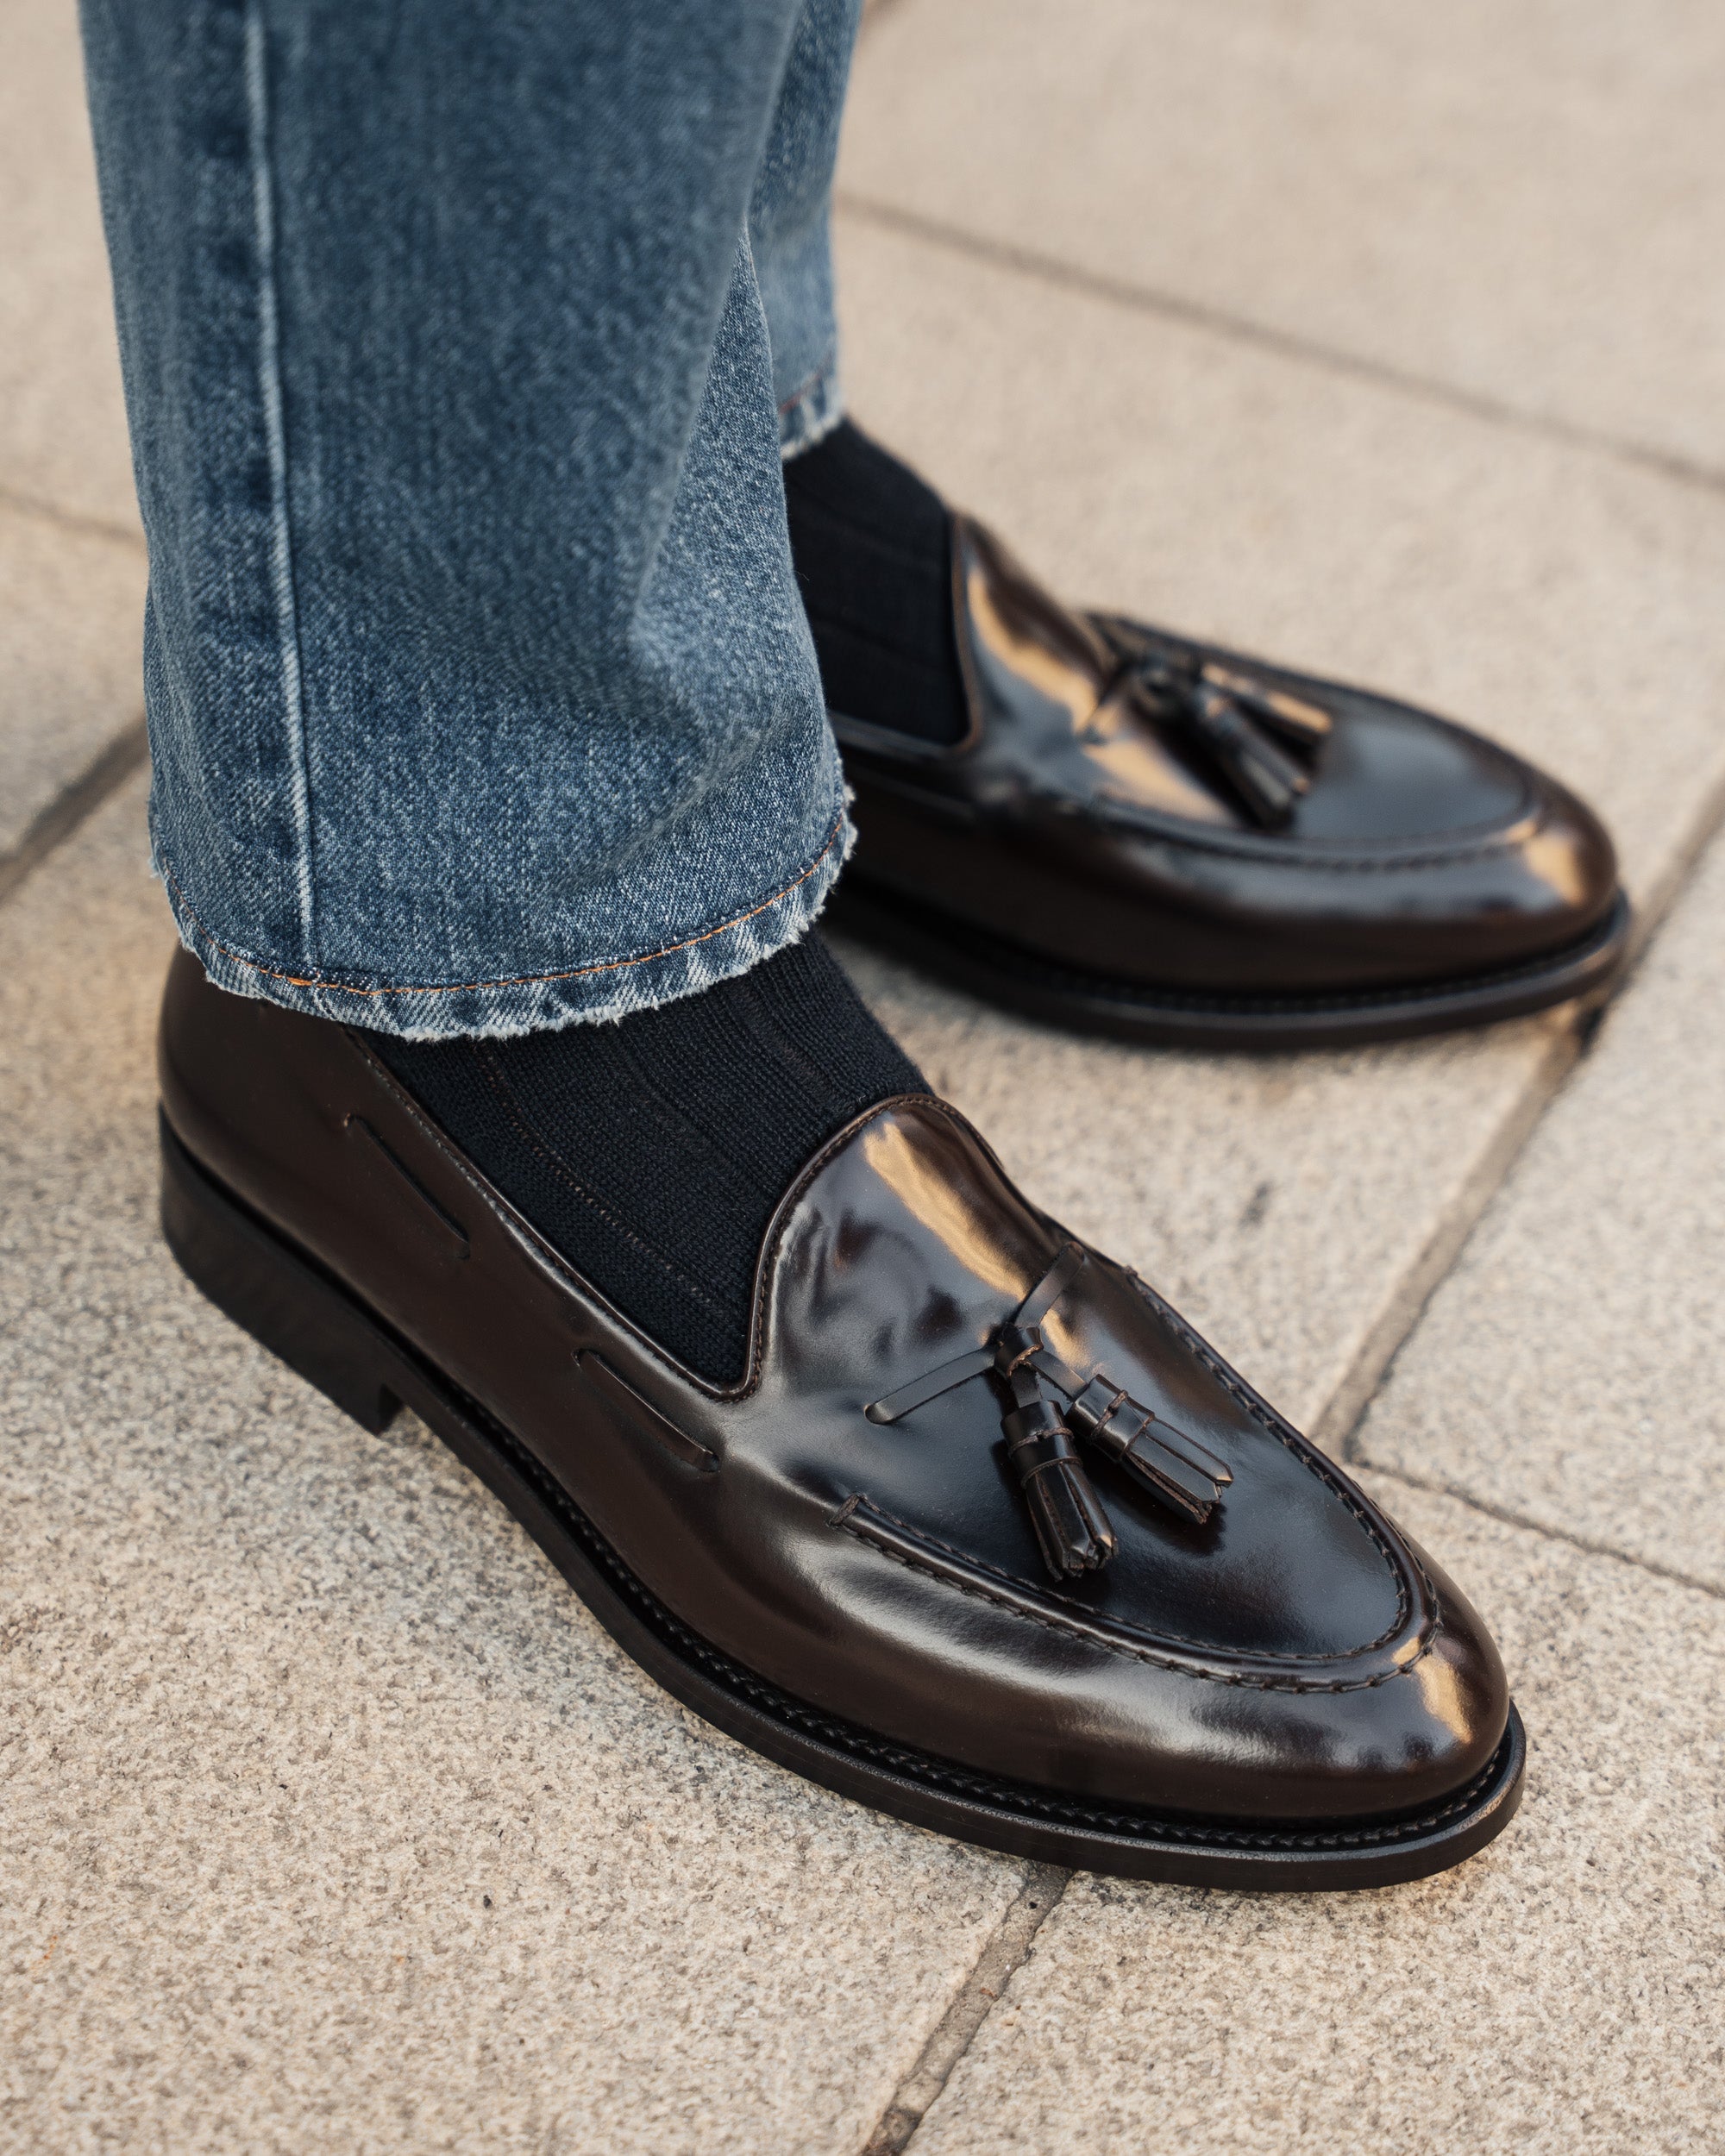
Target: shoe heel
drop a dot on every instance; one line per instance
(280, 1299)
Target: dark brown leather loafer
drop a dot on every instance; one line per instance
(987, 1538)
(1156, 838)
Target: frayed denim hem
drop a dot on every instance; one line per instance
(812, 410)
(496, 1009)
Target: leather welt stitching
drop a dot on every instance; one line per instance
(859, 1517)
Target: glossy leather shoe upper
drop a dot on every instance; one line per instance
(1162, 813)
(1257, 1641)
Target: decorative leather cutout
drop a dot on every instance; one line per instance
(1072, 1530)
(447, 1230)
(641, 1415)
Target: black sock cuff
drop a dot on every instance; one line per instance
(872, 545)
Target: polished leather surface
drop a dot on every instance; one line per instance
(1290, 1656)
(1081, 819)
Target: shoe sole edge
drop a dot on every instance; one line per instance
(1023, 982)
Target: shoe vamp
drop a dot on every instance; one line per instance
(1389, 771)
(1284, 1565)
(909, 1252)
(1390, 774)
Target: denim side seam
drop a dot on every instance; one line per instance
(281, 566)
(606, 989)
(812, 410)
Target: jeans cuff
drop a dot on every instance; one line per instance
(811, 411)
(495, 1010)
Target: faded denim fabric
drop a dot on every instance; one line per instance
(481, 696)
(790, 224)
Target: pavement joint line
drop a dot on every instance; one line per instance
(1284, 343)
(1665, 890)
(69, 520)
(1336, 1427)
(1007, 1950)
(1435, 1488)
(73, 804)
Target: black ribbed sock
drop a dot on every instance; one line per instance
(652, 1152)
(871, 543)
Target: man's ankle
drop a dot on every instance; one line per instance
(872, 546)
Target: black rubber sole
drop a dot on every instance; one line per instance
(294, 1307)
(1005, 972)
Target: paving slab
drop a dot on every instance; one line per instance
(1559, 1992)
(1553, 597)
(62, 417)
(332, 1821)
(1519, 199)
(1568, 1370)
(72, 609)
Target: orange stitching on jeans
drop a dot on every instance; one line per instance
(520, 981)
(822, 372)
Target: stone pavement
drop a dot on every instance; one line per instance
(1391, 340)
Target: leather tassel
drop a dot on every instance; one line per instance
(1265, 777)
(1176, 1467)
(1072, 1531)
(1306, 725)
(1247, 726)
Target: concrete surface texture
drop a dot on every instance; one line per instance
(1588, 1401)
(71, 615)
(1388, 341)
(62, 422)
(1518, 200)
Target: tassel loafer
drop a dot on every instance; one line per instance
(1144, 836)
(986, 1536)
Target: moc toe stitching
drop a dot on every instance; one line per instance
(1087, 1625)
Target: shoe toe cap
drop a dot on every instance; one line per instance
(1473, 851)
(1392, 1744)
(1317, 1743)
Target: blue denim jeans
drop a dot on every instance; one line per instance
(459, 342)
